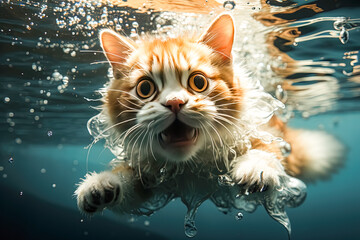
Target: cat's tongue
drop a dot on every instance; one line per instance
(178, 134)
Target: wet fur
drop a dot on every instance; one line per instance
(218, 113)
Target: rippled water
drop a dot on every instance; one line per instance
(304, 52)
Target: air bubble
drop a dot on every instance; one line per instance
(53, 185)
(163, 171)
(285, 148)
(11, 160)
(305, 114)
(135, 24)
(239, 216)
(344, 36)
(6, 99)
(281, 94)
(57, 76)
(229, 5)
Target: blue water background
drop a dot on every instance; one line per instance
(32, 207)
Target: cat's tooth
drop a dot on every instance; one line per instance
(164, 137)
(191, 133)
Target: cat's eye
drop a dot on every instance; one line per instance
(145, 88)
(198, 82)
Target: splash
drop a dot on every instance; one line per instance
(227, 196)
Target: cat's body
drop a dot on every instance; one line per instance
(182, 116)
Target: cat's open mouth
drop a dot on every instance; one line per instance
(178, 135)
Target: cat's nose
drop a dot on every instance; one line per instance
(175, 104)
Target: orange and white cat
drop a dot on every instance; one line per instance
(180, 103)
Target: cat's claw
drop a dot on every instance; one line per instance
(98, 191)
(257, 171)
(257, 187)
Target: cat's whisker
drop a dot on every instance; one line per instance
(99, 62)
(124, 135)
(117, 124)
(216, 132)
(88, 152)
(228, 116)
(140, 147)
(103, 51)
(129, 101)
(212, 90)
(227, 98)
(214, 146)
(122, 91)
(229, 109)
(217, 149)
(126, 106)
(136, 137)
(125, 111)
(212, 97)
(195, 114)
(226, 121)
(151, 145)
(234, 124)
(226, 128)
(145, 136)
(128, 145)
(227, 104)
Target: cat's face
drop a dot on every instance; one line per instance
(172, 98)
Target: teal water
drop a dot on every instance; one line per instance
(43, 132)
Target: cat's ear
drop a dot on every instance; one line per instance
(220, 35)
(116, 47)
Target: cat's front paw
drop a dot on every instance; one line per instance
(98, 191)
(256, 171)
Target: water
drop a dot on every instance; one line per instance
(50, 71)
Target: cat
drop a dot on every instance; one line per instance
(180, 103)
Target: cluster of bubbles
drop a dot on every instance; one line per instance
(85, 17)
(58, 77)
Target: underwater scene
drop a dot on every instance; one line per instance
(301, 63)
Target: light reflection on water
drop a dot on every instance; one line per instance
(304, 57)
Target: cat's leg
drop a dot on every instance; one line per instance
(257, 170)
(108, 189)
